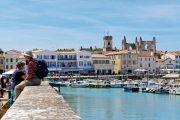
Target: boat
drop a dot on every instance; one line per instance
(135, 87)
(116, 84)
(174, 89)
(127, 86)
(79, 84)
(100, 84)
(131, 87)
(151, 87)
(142, 86)
(162, 90)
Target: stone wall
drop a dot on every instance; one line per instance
(40, 103)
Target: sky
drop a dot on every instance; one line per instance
(53, 24)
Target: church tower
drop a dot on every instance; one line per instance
(124, 42)
(108, 43)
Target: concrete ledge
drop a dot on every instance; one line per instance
(40, 103)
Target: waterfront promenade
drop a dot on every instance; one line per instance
(40, 103)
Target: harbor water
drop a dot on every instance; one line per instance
(115, 104)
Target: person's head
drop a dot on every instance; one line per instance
(20, 65)
(28, 55)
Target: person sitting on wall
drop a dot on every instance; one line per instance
(30, 79)
(17, 77)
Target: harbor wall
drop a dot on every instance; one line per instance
(40, 103)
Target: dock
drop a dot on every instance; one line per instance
(40, 103)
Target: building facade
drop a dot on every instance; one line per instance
(102, 64)
(49, 56)
(67, 62)
(174, 55)
(11, 58)
(123, 61)
(84, 62)
(165, 65)
(146, 62)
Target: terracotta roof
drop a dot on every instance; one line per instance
(66, 52)
(174, 52)
(121, 52)
(99, 56)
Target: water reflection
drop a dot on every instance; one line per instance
(114, 104)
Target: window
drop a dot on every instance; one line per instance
(149, 65)
(11, 59)
(140, 64)
(46, 56)
(7, 60)
(80, 63)
(7, 67)
(95, 61)
(86, 56)
(53, 57)
(11, 66)
(39, 56)
(81, 56)
(107, 61)
(60, 57)
(89, 63)
(52, 64)
(2, 61)
(17, 59)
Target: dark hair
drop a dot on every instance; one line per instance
(20, 64)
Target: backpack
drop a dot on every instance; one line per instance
(41, 69)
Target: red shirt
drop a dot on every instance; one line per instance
(32, 68)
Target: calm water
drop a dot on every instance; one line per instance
(115, 104)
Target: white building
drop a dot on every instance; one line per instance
(146, 62)
(49, 56)
(165, 65)
(175, 55)
(67, 62)
(11, 59)
(84, 61)
(102, 64)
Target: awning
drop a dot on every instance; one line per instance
(172, 76)
(10, 72)
(140, 70)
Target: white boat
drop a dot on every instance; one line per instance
(151, 87)
(174, 89)
(79, 84)
(64, 83)
(100, 84)
(116, 84)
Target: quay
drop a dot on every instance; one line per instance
(131, 76)
(40, 103)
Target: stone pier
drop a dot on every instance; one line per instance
(40, 103)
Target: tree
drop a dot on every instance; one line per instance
(1, 51)
(158, 55)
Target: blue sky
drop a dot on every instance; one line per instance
(52, 24)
